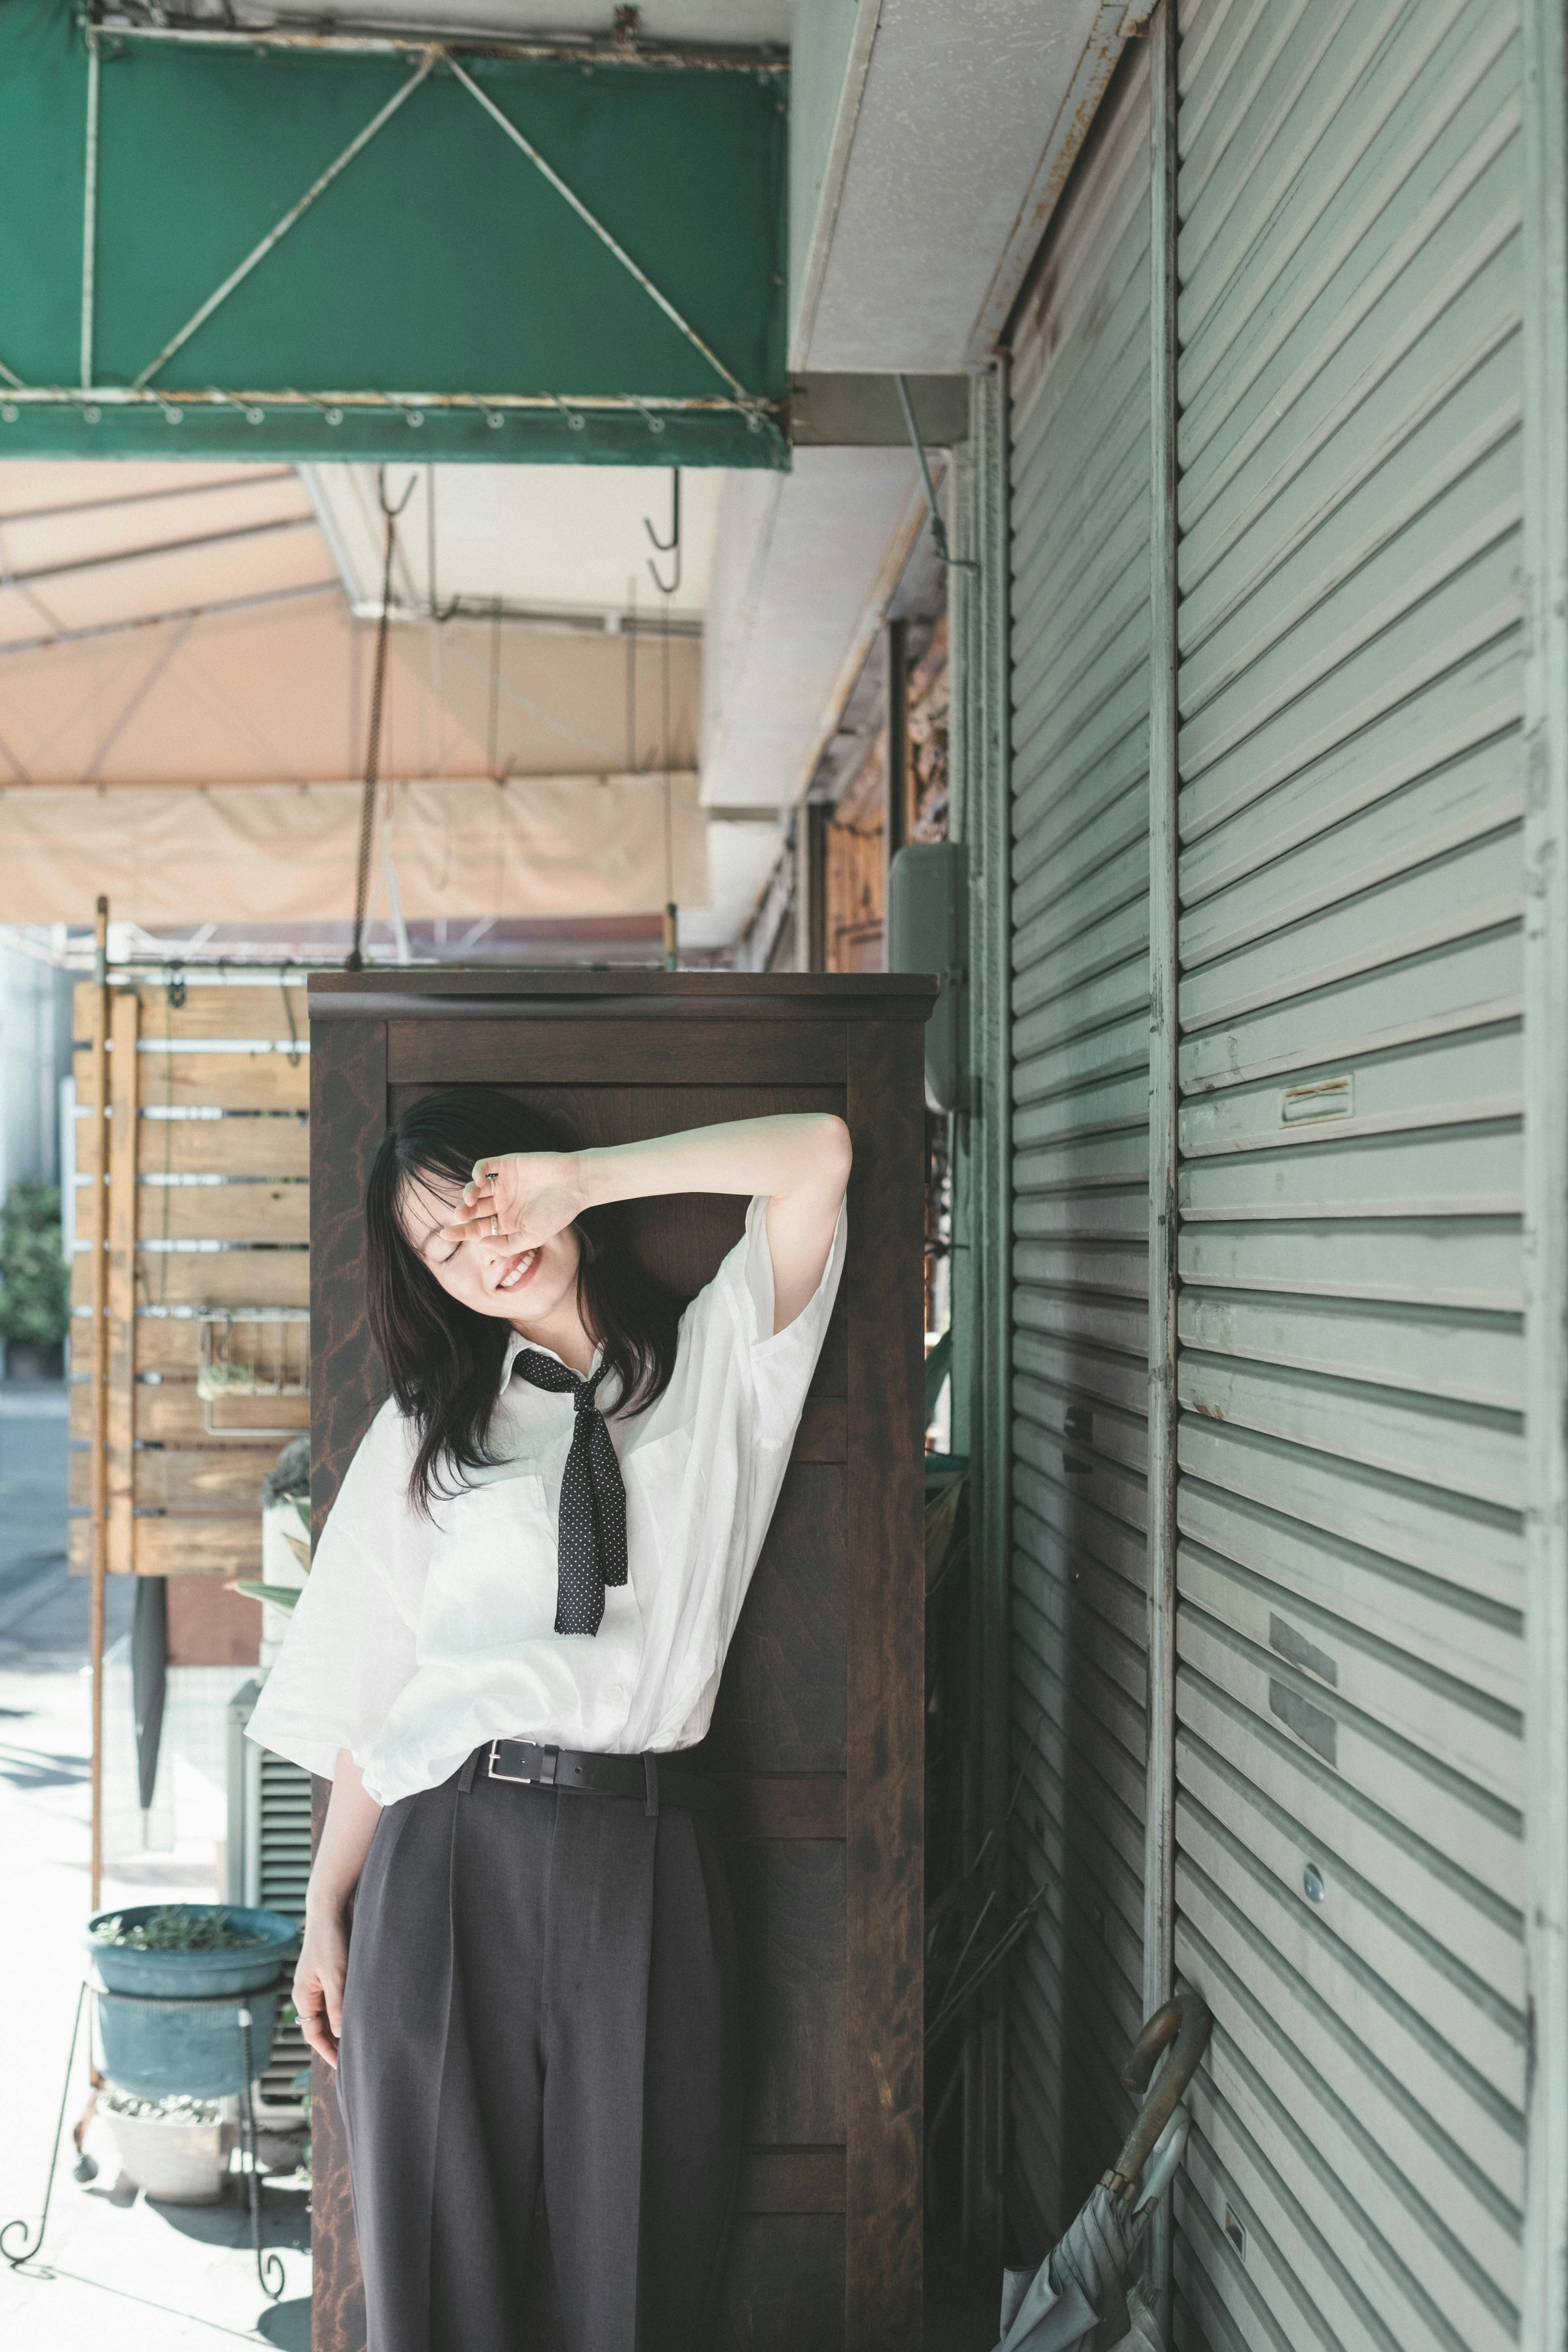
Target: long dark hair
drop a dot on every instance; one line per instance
(444, 1360)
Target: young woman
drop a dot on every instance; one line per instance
(516, 1620)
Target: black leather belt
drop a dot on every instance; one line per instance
(648, 1777)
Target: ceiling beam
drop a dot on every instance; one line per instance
(250, 480)
(166, 620)
(159, 546)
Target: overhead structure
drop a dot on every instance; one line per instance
(286, 241)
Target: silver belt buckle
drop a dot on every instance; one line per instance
(549, 1761)
(522, 1778)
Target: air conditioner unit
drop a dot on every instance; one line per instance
(267, 1862)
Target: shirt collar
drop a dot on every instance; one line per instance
(515, 1346)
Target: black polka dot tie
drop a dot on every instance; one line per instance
(591, 1543)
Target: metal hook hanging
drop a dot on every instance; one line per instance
(671, 545)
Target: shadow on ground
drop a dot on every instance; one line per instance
(285, 2219)
(287, 2324)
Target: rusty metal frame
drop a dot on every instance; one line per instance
(622, 50)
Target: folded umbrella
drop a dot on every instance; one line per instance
(1077, 2300)
(149, 1681)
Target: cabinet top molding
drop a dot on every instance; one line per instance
(490, 995)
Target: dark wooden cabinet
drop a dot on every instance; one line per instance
(818, 1730)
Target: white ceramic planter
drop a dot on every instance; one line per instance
(170, 2156)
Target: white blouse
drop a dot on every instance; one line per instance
(416, 1639)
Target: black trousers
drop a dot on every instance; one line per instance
(541, 1988)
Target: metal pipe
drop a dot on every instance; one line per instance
(252, 479)
(162, 547)
(1543, 765)
(600, 231)
(260, 252)
(98, 1234)
(665, 57)
(1160, 1795)
(90, 209)
(119, 396)
(166, 620)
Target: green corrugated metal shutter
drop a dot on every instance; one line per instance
(1081, 646)
(1349, 1869)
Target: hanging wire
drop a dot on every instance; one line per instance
(354, 961)
(631, 638)
(495, 689)
(666, 589)
(672, 942)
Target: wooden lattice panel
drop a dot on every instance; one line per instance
(208, 1206)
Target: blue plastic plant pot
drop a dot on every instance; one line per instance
(158, 2047)
(189, 1974)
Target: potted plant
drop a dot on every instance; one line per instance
(185, 1987)
(34, 1282)
(176, 2148)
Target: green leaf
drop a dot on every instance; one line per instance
(280, 1596)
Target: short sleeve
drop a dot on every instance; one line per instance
(350, 1648)
(738, 1304)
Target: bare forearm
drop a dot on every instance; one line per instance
(786, 1157)
(346, 1834)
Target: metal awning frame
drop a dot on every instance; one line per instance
(371, 40)
(89, 400)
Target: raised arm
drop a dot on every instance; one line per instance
(801, 1162)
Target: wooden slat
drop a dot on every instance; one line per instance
(268, 1144)
(615, 1053)
(196, 1547)
(230, 1277)
(173, 1415)
(201, 1479)
(241, 1012)
(795, 1806)
(216, 1544)
(791, 2181)
(824, 1432)
(125, 1013)
(884, 1975)
(167, 1343)
(231, 1081)
(223, 1212)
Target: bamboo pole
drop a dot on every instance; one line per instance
(97, 1236)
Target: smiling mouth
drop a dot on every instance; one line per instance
(519, 1270)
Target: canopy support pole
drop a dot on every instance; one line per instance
(89, 211)
(98, 1238)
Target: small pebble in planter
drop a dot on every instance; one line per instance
(176, 2148)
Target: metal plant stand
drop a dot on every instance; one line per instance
(268, 2263)
(27, 2252)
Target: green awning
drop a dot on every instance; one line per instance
(300, 251)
